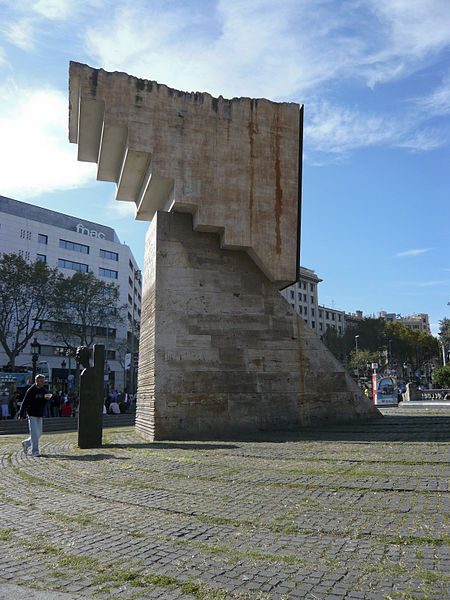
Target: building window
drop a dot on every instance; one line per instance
(131, 265)
(41, 258)
(25, 254)
(304, 297)
(107, 273)
(73, 246)
(42, 239)
(305, 310)
(320, 326)
(313, 312)
(313, 324)
(292, 294)
(327, 315)
(339, 318)
(59, 350)
(304, 285)
(109, 255)
(299, 297)
(69, 264)
(312, 299)
(130, 282)
(333, 316)
(25, 234)
(311, 287)
(320, 314)
(340, 329)
(106, 333)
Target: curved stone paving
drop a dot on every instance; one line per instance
(344, 512)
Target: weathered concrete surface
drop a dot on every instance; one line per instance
(354, 512)
(232, 163)
(221, 351)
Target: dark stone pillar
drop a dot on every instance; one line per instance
(90, 414)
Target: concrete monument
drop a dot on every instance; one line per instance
(221, 351)
(90, 410)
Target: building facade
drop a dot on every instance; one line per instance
(303, 297)
(418, 321)
(75, 244)
(330, 317)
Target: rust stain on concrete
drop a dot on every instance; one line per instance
(276, 141)
(252, 128)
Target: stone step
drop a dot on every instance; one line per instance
(54, 424)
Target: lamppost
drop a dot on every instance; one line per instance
(356, 355)
(35, 347)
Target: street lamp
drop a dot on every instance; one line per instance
(35, 347)
(356, 355)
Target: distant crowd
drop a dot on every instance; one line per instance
(63, 404)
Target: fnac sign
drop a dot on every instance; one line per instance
(80, 228)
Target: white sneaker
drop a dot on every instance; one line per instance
(25, 447)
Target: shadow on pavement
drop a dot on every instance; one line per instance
(172, 445)
(85, 458)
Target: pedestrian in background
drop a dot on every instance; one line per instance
(33, 405)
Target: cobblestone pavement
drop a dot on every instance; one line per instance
(354, 512)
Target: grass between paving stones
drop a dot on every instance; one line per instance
(282, 524)
(385, 566)
(291, 485)
(6, 534)
(107, 576)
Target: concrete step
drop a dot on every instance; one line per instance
(55, 424)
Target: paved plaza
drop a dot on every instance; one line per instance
(354, 512)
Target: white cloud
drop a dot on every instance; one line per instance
(35, 154)
(53, 9)
(331, 128)
(119, 210)
(422, 140)
(284, 51)
(438, 102)
(421, 284)
(20, 34)
(414, 252)
(411, 32)
(433, 283)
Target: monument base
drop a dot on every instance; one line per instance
(221, 351)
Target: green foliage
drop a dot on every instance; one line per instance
(441, 377)
(412, 347)
(444, 333)
(26, 299)
(33, 293)
(382, 343)
(85, 304)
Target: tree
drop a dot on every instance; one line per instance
(26, 299)
(371, 334)
(411, 346)
(365, 360)
(441, 377)
(86, 304)
(444, 332)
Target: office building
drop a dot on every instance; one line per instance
(75, 244)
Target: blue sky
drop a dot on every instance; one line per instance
(374, 76)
